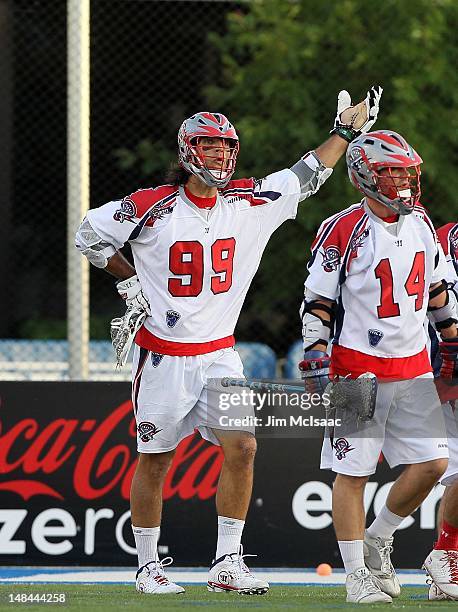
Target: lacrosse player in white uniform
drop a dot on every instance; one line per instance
(376, 268)
(197, 243)
(442, 562)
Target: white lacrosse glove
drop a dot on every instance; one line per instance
(123, 331)
(131, 291)
(351, 121)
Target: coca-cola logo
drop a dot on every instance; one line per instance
(85, 454)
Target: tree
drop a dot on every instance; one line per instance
(283, 64)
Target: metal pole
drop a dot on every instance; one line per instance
(78, 135)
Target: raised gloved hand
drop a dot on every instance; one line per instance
(315, 371)
(351, 121)
(131, 291)
(449, 353)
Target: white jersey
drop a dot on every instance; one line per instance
(379, 273)
(196, 265)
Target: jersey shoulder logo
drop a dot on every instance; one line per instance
(331, 258)
(454, 244)
(374, 336)
(127, 212)
(358, 240)
(159, 211)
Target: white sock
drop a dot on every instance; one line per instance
(146, 539)
(352, 554)
(229, 536)
(385, 524)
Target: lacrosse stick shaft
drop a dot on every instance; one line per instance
(255, 385)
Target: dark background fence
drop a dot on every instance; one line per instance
(274, 67)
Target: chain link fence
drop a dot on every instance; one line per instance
(154, 62)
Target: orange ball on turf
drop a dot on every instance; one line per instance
(324, 569)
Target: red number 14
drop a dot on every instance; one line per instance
(414, 285)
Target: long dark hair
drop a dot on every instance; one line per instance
(176, 175)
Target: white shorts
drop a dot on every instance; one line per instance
(451, 424)
(171, 398)
(406, 413)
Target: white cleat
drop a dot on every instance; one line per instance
(229, 573)
(435, 594)
(363, 589)
(442, 567)
(151, 578)
(377, 559)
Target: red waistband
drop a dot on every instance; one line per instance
(147, 340)
(346, 361)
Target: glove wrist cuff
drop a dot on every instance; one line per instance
(345, 132)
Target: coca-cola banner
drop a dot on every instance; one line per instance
(67, 456)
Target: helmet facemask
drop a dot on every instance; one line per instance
(398, 188)
(199, 153)
(213, 163)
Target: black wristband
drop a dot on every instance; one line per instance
(345, 132)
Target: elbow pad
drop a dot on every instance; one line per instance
(445, 315)
(316, 329)
(311, 174)
(92, 246)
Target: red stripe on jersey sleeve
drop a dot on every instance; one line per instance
(247, 189)
(443, 234)
(144, 199)
(337, 231)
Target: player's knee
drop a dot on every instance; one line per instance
(432, 471)
(155, 464)
(241, 451)
(356, 483)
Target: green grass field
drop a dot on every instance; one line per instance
(122, 597)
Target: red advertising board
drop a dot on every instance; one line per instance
(67, 456)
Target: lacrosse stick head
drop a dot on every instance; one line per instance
(123, 331)
(358, 394)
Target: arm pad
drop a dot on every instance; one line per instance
(92, 246)
(311, 174)
(316, 329)
(447, 314)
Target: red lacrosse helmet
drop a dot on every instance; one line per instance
(217, 170)
(385, 168)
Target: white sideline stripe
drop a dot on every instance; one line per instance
(198, 577)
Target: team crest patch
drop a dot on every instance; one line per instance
(331, 259)
(156, 359)
(172, 317)
(374, 336)
(147, 431)
(127, 211)
(342, 447)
